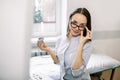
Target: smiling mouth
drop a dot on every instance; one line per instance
(75, 31)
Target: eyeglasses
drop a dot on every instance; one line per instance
(74, 25)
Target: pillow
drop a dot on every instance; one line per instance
(100, 62)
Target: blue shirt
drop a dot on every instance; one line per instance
(66, 51)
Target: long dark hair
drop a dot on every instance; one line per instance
(86, 13)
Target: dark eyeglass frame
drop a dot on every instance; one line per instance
(74, 25)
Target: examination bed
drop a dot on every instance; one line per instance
(43, 68)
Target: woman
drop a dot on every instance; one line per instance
(73, 50)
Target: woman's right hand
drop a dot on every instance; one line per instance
(42, 45)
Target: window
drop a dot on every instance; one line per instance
(46, 18)
(45, 11)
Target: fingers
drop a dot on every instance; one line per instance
(81, 34)
(39, 43)
(89, 33)
(42, 45)
(87, 28)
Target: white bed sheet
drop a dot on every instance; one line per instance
(44, 67)
(47, 70)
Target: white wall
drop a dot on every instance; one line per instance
(105, 23)
(15, 34)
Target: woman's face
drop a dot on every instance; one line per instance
(77, 24)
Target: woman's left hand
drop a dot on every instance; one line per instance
(88, 36)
